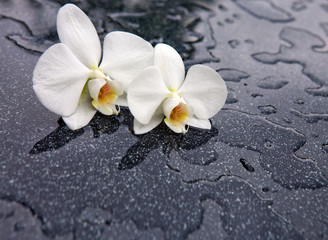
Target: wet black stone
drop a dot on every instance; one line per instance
(271, 83)
(267, 109)
(310, 117)
(19, 226)
(229, 21)
(325, 148)
(259, 135)
(265, 10)
(232, 75)
(324, 6)
(265, 189)
(234, 42)
(324, 26)
(222, 8)
(259, 173)
(298, 6)
(232, 98)
(247, 165)
(250, 41)
(255, 95)
(308, 43)
(299, 101)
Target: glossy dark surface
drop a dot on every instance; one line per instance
(259, 173)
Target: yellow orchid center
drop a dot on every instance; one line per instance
(104, 94)
(107, 95)
(179, 114)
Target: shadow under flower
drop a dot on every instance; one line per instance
(189, 146)
(163, 137)
(63, 135)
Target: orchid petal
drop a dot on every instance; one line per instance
(118, 87)
(157, 118)
(105, 94)
(177, 113)
(125, 56)
(199, 123)
(94, 86)
(106, 109)
(77, 32)
(175, 128)
(204, 90)
(168, 105)
(58, 80)
(171, 65)
(82, 115)
(146, 93)
(122, 100)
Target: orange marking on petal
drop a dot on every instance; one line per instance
(107, 95)
(179, 114)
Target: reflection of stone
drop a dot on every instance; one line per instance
(302, 51)
(265, 10)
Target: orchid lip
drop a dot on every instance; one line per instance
(179, 114)
(178, 118)
(107, 95)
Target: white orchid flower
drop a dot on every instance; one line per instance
(68, 79)
(162, 91)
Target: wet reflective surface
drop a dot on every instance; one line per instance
(259, 173)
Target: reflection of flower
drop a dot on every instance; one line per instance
(185, 145)
(161, 90)
(68, 79)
